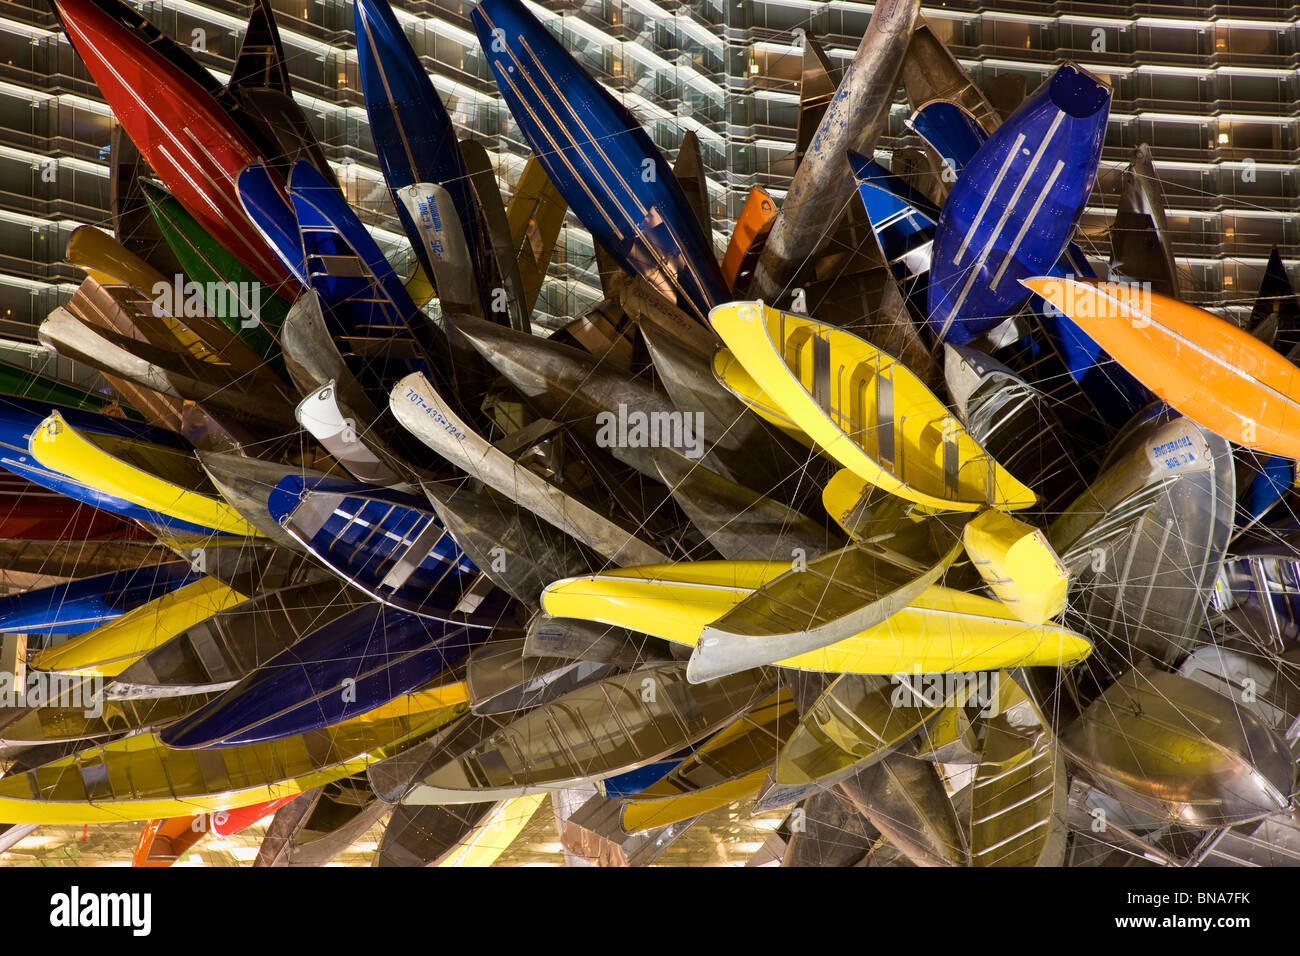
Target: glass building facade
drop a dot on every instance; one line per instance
(1212, 88)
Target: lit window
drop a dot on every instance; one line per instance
(1223, 139)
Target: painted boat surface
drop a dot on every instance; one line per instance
(822, 602)
(1165, 472)
(182, 131)
(32, 371)
(165, 484)
(387, 544)
(217, 652)
(422, 411)
(1018, 565)
(930, 72)
(206, 261)
(1176, 750)
(1011, 213)
(263, 197)
(942, 630)
(599, 158)
(496, 227)
(29, 512)
(163, 842)
(950, 130)
(578, 640)
(535, 214)
(373, 320)
(881, 421)
(1141, 244)
(854, 120)
(465, 835)
(728, 767)
(902, 219)
(327, 821)
(320, 414)
(1216, 374)
(79, 606)
(594, 732)
(111, 648)
(376, 653)
(833, 833)
(137, 778)
(413, 133)
(747, 238)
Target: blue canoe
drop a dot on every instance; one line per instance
(600, 159)
(19, 418)
(377, 327)
(413, 134)
(389, 545)
(902, 219)
(353, 664)
(1014, 206)
(273, 216)
(76, 607)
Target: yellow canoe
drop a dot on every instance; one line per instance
(138, 778)
(140, 472)
(494, 835)
(1019, 566)
(730, 766)
(733, 377)
(109, 262)
(867, 410)
(113, 647)
(535, 214)
(942, 630)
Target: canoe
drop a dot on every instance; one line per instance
(137, 778)
(818, 80)
(349, 666)
(216, 653)
(942, 630)
(388, 544)
(414, 137)
(573, 639)
(535, 214)
(468, 835)
(375, 324)
(1141, 247)
(110, 648)
(190, 670)
(747, 238)
(1012, 211)
(881, 422)
(1263, 585)
(29, 512)
(1018, 796)
(263, 197)
(163, 842)
(1176, 750)
(931, 72)
(827, 600)
(423, 412)
(1216, 374)
(79, 606)
(1018, 565)
(519, 555)
(503, 251)
(854, 120)
(902, 219)
(599, 158)
(499, 679)
(830, 833)
(246, 484)
(32, 371)
(951, 131)
(594, 732)
(854, 722)
(728, 767)
(193, 145)
(739, 523)
(320, 824)
(321, 416)
(220, 275)
(166, 486)
(1144, 544)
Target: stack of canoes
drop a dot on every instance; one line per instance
(292, 536)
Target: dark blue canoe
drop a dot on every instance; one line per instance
(413, 134)
(353, 664)
(19, 418)
(389, 545)
(79, 606)
(600, 159)
(1014, 206)
(266, 205)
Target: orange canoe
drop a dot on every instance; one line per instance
(747, 239)
(1216, 374)
(163, 842)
